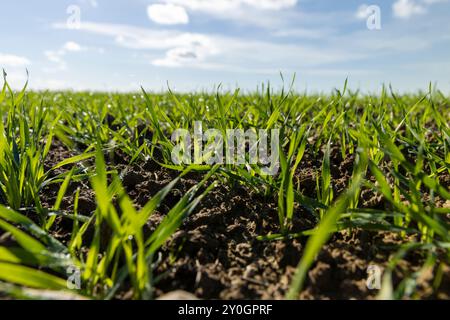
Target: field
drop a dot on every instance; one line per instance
(93, 205)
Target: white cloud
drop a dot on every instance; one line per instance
(227, 5)
(362, 12)
(183, 56)
(270, 4)
(407, 8)
(142, 38)
(251, 12)
(10, 60)
(54, 56)
(174, 48)
(72, 46)
(183, 49)
(176, 57)
(57, 56)
(167, 14)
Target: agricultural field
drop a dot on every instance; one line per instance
(94, 205)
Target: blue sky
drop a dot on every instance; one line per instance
(198, 44)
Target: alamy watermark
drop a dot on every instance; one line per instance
(230, 146)
(372, 15)
(374, 274)
(74, 19)
(73, 278)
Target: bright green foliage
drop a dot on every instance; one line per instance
(400, 146)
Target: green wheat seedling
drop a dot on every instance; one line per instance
(397, 163)
(24, 146)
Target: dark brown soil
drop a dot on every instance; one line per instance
(215, 254)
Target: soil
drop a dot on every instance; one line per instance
(215, 253)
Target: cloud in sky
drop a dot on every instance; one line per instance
(137, 37)
(363, 12)
(71, 46)
(168, 14)
(181, 48)
(197, 42)
(208, 51)
(57, 56)
(224, 6)
(407, 8)
(177, 57)
(270, 4)
(252, 12)
(177, 48)
(11, 60)
(15, 66)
